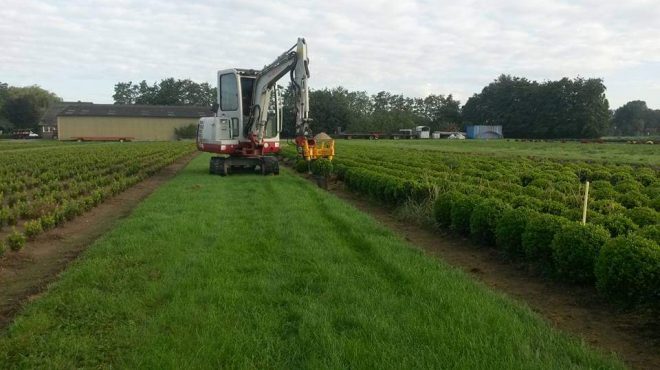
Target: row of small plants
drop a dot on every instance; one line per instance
(625, 268)
(41, 189)
(530, 209)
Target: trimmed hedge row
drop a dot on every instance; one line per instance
(625, 269)
(528, 208)
(39, 190)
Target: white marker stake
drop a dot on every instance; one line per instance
(584, 207)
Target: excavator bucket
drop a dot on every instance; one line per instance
(321, 146)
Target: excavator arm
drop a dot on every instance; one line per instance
(294, 61)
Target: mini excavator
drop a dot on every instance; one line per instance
(245, 129)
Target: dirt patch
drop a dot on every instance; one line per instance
(634, 336)
(25, 274)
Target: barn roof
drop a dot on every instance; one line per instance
(130, 110)
(50, 116)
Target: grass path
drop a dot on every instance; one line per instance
(254, 272)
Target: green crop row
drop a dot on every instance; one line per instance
(530, 209)
(40, 189)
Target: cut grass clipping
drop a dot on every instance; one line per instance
(270, 272)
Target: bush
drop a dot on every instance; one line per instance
(655, 203)
(461, 211)
(651, 232)
(48, 222)
(644, 216)
(186, 132)
(603, 193)
(71, 210)
(633, 199)
(537, 239)
(442, 207)
(302, 166)
(617, 224)
(526, 201)
(607, 206)
(483, 221)
(619, 177)
(509, 231)
(321, 167)
(16, 240)
(628, 270)
(627, 186)
(574, 251)
(3, 247)
(32, 228)
(553, 207)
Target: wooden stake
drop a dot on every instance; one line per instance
(584, 207)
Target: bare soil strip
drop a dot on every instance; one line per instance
(24, 275)
(634, 336)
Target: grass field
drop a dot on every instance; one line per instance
(643, 154)
(254, 272)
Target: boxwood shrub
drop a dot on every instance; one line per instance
(33, 228)
(644, 216)
(633, 199)
(16, 240)
(484, 219)
(537, 239)
(461, 211)
(301, 166)
(509, 231)
(574, 251)
(321, 167)
(628, 270)
(442, 207)
(617, 224)
(607, 206)
(651, 232)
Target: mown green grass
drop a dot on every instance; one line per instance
(271, 272)
(641, 154)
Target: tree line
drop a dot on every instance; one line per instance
(166, 92)
(567, 108)
(338, 109)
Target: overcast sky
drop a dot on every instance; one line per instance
(80, 49)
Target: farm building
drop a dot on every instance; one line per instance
(132, 122)
(48, 122)
(484, 132)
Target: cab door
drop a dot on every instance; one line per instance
(230, 116)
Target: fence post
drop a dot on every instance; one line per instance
(584, 206)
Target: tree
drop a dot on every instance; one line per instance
(4, 95)
(632, 119)
(168, 91)
(24, 106)
(124, 93)
(554, 109)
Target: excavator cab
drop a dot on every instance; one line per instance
(228, 132)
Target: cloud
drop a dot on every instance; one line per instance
(79, 49)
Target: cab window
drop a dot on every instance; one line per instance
(228, 92)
